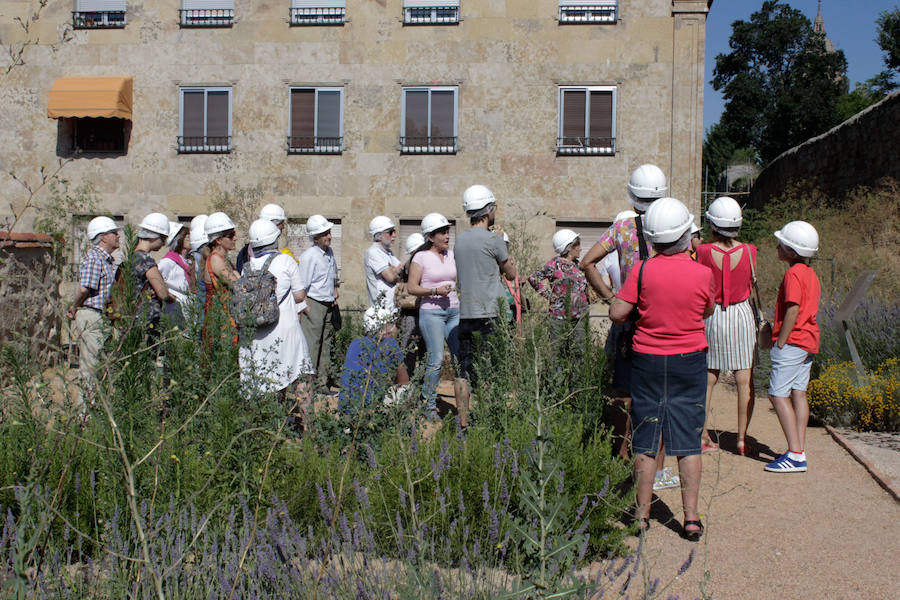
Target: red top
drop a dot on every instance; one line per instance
(730, 286)
(800, 286)
(674, 293)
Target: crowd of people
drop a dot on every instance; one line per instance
(681, 310)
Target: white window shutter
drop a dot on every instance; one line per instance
(100, 5)
(429, 3)
(607, 3)
(207, 4)
(318, 3)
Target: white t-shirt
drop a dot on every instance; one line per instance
(377, 259)
(175, 278)
(609, 266)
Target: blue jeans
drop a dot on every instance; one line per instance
(437, 325)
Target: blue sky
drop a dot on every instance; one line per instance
(850, 25)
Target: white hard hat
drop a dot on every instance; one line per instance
(375, 318)
(563, 239)
(647, 183)
(414, 242)
(198, 238)
(157, 223)
(263, 232)
(477, 197)
(174, 229)
(100, 225)
(379, 225)
(198, 221)
(694, 227)
(433, 221)
(799, 236)
(272, 212)
(625, 214)
(666, 220)
(217, 223)
(317, 224)
(725, 212)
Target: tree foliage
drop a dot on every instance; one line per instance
(889, 37)
(780, 85)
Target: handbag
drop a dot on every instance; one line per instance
(626, 345)
(763, 327)
(337, 321)
(403, 299)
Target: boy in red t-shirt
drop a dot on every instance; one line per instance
(796, 338)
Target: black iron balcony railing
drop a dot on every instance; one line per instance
(310, 144)
(188, 144)
(586, 145)
(104, 19)
(318, 16)
(587, 14)
(434, 15)
(207, 17)
(428, 145)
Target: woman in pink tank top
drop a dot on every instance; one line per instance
(731, 329)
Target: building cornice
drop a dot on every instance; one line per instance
(681, 7)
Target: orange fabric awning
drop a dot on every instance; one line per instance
(90, 97)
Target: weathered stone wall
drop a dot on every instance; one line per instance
(508, 58)
(859, 151)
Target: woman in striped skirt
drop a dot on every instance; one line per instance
(730, 330)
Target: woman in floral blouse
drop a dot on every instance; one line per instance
(564, 285)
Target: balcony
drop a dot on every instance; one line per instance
(588, 13)
(428, 145)
(586, 146)
(318, 16)
(207, 17)
(431, 15)
(204, 144)
(310, 144)
(106, 19)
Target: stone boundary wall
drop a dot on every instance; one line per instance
(859, 151)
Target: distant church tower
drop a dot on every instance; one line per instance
(819, 27)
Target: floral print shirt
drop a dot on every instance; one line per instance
(623, 237)
(562, 283)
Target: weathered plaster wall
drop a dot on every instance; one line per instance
(506, 56)
(859, 151)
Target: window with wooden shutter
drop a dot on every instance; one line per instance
(429, 123)
(98, 14)
(588, 11)
(430, 12)
(587, 120)
(318, 12)
(207, 13)
(205, 120)
(317, 121)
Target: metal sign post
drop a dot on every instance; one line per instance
(843, 314)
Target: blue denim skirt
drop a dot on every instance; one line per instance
(668, 398)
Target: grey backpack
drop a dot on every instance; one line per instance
(253, 300)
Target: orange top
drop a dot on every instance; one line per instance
(90, 97)
(800, 286)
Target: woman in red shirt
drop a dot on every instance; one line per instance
(673, 295)
(730, 330)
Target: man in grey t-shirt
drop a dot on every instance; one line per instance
(481, 256)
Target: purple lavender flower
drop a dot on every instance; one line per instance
(687, 564)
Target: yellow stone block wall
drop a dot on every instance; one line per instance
(508, 58)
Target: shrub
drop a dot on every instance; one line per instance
(837, 397)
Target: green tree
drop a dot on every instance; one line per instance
(780, 85)
(889, 37)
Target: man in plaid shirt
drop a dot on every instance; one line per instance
(97, 273)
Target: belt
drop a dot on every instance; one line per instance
(324, 302)
(96, 310)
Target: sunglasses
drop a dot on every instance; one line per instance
(231, 234)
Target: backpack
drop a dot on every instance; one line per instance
(253, 302)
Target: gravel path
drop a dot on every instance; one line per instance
(829, 533)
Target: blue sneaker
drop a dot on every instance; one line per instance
(785, 464)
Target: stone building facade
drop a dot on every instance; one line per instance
(425, 97)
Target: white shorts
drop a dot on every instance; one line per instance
(790, 370)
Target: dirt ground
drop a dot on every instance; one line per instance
(829, 533)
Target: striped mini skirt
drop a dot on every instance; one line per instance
(731, 335)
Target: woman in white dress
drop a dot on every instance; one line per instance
(277, 356)
(177, 271)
